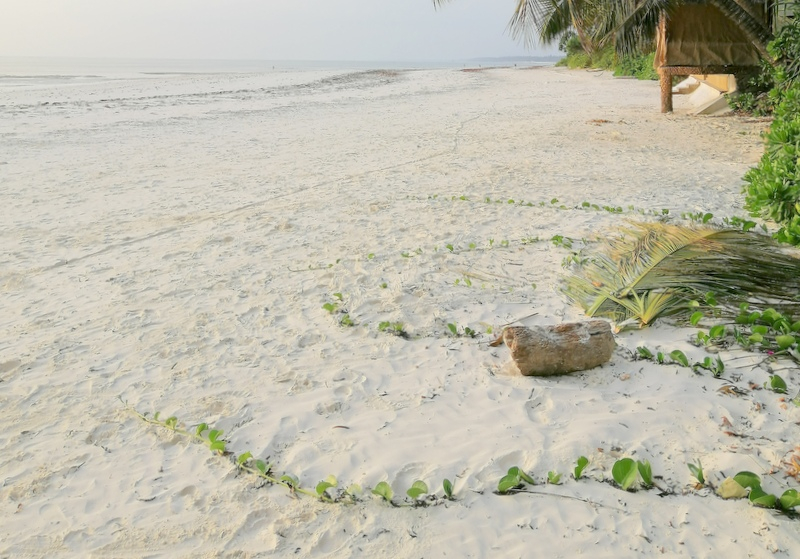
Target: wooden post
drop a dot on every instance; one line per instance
(666, 89)
(665, 76)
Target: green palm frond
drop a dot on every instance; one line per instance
(654, 269)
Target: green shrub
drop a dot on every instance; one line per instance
(773, 187)
(639, 66)
(604, 58)
(578, 60)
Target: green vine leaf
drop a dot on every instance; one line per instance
(625, 472)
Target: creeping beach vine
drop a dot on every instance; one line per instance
(626, 473)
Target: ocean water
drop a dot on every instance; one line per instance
(42, 91)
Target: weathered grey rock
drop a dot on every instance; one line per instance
(559, 349)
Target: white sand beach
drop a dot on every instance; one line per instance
(170, 240)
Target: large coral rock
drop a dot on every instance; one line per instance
(559, 349)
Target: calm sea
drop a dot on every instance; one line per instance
(43, 91)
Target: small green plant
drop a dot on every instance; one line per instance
(384, 491)
(447, 487)
(515, 479)
(417, 490)
(646, 472)
(777, 384)
(329, 482)
(561, 241)
(394, 328)
(335, 307)
(580, 465)
(626, 472)
(715, 366)
(330, 307)
(467, 331)
(553, 478)
(675, 356)
(698, 216)
(697, 472)
(787, 502)
(679, 357)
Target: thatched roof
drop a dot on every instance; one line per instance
(700, 34)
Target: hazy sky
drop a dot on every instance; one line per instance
(260, 29)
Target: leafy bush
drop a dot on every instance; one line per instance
(773, 187)
(639, 66)
(754, 88)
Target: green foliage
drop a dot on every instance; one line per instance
(335, 308)
(562, 241)
(417, 489)
(639, 66)
(384, 491)
(329, 482)
(773, 187)
(675, 356)
(697, 472)
(447, 487)
(656, 269)
(580, 466)
(553, 478)
(785, 49)
(753, 90)
(787, 502)
(467, 331)
(626, 472)
(768, 331)
(646, 472)
(394, 328)
(679, 357)
(715, 366)
(515, 479)
(777, 384)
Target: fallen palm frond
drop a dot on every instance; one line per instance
(656, 269)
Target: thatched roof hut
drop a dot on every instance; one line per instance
(698, 38)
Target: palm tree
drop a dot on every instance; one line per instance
(631, 24)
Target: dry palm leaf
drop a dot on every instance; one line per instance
(655, 269)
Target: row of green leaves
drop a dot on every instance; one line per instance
(395, 328)
(627, 473)
(698, 217)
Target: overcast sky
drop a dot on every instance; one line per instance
(260, 29)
